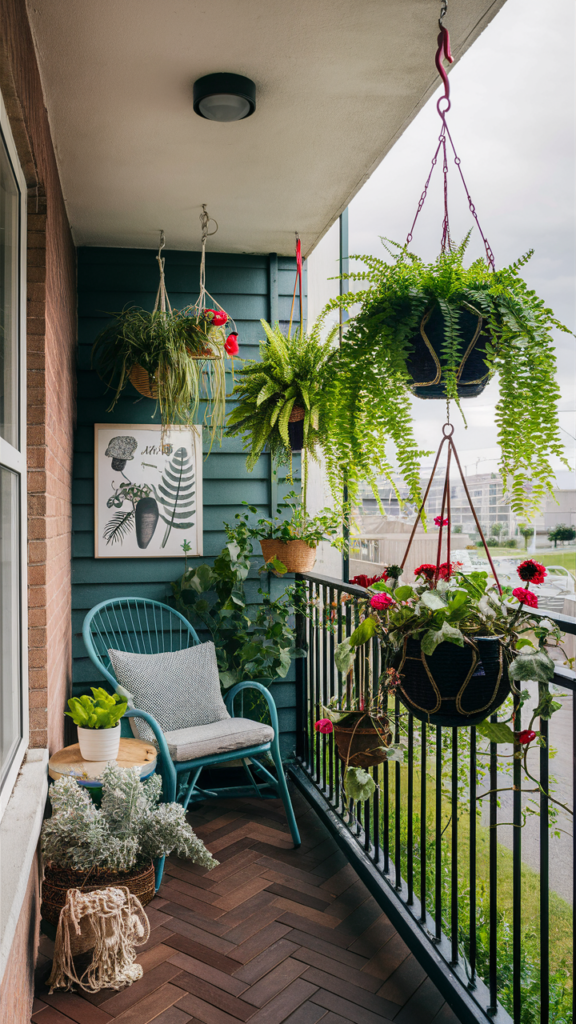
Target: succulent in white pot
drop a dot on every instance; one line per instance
(98, 722)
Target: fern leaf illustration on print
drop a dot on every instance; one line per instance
(175, 494)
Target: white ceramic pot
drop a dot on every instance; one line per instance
(99, 744)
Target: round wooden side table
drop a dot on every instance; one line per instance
(133, 753)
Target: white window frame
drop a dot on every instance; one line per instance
(15, 460)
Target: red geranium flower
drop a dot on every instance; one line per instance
(526, 597)
(426, 570)
(367, 581)
(441, 522)
(381, 601)
(531, 571)
(526, 736)
(218, 317)
(445, 570)
(324, 725)
(231, 344)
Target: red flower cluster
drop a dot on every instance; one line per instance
(231, 344)
(531, 571)
(324, 725)
(526, 597)
(367, 581)
(440, 522)
(428, 571)
(381, 601)
(526, 736)
(217, 316)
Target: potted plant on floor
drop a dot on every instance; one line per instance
(86, 847)
(98, 721)
(455, 642)
(280, 396)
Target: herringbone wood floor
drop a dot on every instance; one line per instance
(271, 935)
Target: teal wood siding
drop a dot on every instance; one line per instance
(249, 288)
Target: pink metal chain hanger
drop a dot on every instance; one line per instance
(443, 106)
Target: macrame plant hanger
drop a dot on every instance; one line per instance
(200, 304)
(162, 301)
(443, 106)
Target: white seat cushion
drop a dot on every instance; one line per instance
(217, 738)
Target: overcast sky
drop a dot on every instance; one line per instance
(512, 121)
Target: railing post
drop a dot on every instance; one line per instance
(301, 672)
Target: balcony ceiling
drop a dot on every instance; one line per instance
(337, 83)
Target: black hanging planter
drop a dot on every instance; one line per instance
(423, 363)
(455, 685)
(296, 429)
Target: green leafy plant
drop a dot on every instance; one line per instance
(259, 645)
(102, 711)
(127, 831)
(367, 399)
(290, 375)
(325, 525)
(183, 356)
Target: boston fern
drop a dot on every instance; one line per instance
(369, 397)
(289, 376)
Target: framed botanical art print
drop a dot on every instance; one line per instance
(147, 490)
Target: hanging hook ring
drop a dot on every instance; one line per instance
(205, 220)
(448, 429)
(443, 10)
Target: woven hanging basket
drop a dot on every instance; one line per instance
(143, 382)
(358, 746)
(423, 363)
(295, 554)
(456, 685)
(296, 428)
(58, 880)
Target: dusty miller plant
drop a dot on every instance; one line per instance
(127, 831)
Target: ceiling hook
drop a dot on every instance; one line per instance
(443, 10)
(162, 241)
(205, 220)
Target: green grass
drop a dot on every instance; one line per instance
(558, 557)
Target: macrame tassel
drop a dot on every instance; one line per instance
(111, 922)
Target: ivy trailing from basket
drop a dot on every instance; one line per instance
(367, 401)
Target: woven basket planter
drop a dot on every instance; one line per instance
(296, 428)
(455, 685)
(143, 382)
(357, 746)
(423, 363)
(295, 554)
(58, 880)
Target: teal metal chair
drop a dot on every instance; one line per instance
(142, 626)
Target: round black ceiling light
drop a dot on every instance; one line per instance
(224, 97)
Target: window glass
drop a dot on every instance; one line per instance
(10, 688)
(9, 245)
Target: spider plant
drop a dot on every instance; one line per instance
(184, 360)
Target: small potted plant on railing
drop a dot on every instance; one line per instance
(457, 644)
(87, 847)
(98, 721)
(441, 330)
(289, 545)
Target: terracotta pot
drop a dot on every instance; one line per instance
(99, 744)
(423, 362)
(356, 745)
(455, 685)
(58, 880)
(295, 554)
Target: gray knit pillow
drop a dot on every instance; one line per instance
(178, 688)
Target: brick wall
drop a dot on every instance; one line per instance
(51, 344)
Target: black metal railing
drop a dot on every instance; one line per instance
(456, 853)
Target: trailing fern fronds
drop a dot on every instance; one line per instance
(367, 401)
